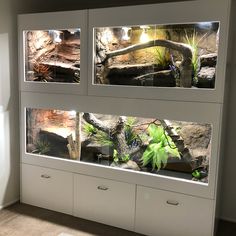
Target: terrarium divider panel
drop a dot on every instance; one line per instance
(159, 55)
(53, 53)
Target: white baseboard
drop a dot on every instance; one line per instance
(9, 203)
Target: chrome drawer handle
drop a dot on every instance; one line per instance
(104, 188)
(45, 176)
(173, 203)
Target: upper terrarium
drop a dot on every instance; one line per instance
(178, 55)
(52, 56)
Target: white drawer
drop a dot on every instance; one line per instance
(105, 201)
(47, 188)
(162, 213)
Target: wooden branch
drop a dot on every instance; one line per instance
(91, 119)
(78, 134)
(186, 64)
(119, 125)
(117, 133)
(134, 150)
(74, 147)
(176, 138)
(181, 47)
(168, 127)
(156, 77)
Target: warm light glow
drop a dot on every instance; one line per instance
(56, 35)
(64, 132)
(106, 36)
(73, 31)
(72, 113)
(144, 36)
(126, 33)
(205, 25)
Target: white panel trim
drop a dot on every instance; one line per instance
(47, 21)
(167, 13)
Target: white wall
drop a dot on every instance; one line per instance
(9, 141)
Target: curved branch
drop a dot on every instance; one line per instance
(116, 133)
(118, 128)
(91, 119)
(184, 49)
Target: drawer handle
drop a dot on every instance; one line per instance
(104, 188)
(45, 176)
(173, 203)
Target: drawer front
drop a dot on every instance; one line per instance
(104, 201)
(171, 214)
(47, 188)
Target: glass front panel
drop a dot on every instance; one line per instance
(150, 145)
(178, 55)
(52, 56)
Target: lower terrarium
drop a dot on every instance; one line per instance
(173, 148)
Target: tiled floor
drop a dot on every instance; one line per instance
(25, 220)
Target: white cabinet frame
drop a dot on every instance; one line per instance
(187, 111)
(167, 13)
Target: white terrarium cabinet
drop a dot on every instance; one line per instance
(142, 196)
(124, 27)
(53, 52)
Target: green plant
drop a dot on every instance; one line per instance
(193, 42)
(41, 147)
(102, 138)
(130, 135)
(124, 158)
(97, 136)
(199, 173)
(196, 174)
(160, 148)
(89, 129)
(115, 156)
(162, 56)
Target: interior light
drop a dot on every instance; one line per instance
(106, 36)
(205, 25)
(56, 35)
(72, 113)
(73, 31)
(126, 33)
(144, 36)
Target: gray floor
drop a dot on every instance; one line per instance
(25, 220)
